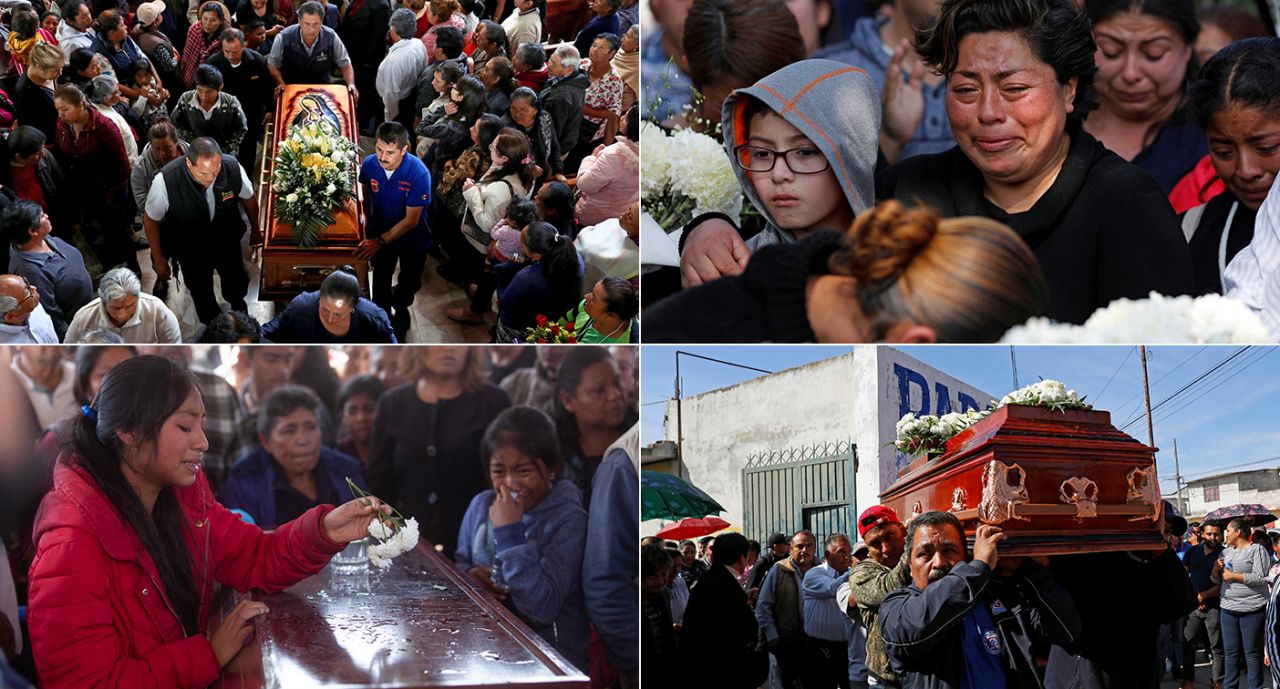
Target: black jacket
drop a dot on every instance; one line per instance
(922, 636)
(251, 83)
(563, 99)
(764, 304)
(364, 32)
(718, 641)
(1123, 599)
(1209, 257)
(1103, 231)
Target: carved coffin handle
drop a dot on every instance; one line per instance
(1082, 492)
(959, 500)
(1145, 489)
(917, 509)
(1000, 496)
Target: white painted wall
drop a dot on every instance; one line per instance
(1259, 487)
(854, 397)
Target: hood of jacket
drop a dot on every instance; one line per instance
(66, 31)
(836, 106)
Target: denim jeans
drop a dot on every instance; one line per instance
(1242, 639)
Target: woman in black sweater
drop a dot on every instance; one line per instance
(1100, 227)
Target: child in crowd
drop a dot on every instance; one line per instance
(151, 103)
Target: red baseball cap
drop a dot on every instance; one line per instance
(875, 516)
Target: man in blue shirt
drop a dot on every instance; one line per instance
(968, 624)
(397, 190)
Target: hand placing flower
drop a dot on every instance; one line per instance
(350, 521)
(506, 508)
(393, 534)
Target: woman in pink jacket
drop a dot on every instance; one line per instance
(609, 179)
(130, 544)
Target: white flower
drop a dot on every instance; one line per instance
(402, 541)
(379, 530)
(1207, 319)
(700, 168)
(330, 189)
(655, 163)
(291, 198)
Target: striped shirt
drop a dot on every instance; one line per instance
(1252, 276)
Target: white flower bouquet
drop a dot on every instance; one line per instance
(314, 174)
(1209, 319)
(393, 536)
(929, 433)
(1049, 394)
(684, 175)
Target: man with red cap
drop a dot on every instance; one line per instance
(884, 570)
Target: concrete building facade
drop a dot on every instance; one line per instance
(1261, 486)
(853, 398)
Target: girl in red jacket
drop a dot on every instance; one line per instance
(130, 543)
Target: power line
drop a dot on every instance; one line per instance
(1245, 364)
(1137, 417)
(1222, 470)
(1113, 375)
(1124, 405)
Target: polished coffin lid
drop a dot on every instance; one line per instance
(419, 624)
(297, 104)
(1055, 482)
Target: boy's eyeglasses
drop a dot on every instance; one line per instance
(801, 161)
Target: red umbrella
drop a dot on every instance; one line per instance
(692, 527)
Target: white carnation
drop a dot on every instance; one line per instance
(330, 189)
(701, 169)
(291, 198)
(655, 162)
(402, 541)
(1209, 319)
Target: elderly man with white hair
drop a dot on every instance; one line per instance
(564, 95)
(398, 72)
(22, 319)
(122, 308)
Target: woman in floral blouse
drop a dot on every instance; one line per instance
(603, 104)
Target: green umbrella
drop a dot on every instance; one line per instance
(664, 496)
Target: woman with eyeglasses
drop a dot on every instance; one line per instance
(334, 314)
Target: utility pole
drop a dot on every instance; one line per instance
(1177, 476)
(679, 423)
(1013, 357)
(1146, 387)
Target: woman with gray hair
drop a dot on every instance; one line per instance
(103, 91)
(291, 471)
(123, 308)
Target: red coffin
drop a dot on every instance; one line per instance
(1055, 482)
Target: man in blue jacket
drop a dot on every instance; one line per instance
(962, 624)
(610, 560)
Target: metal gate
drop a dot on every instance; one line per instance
(809, 487)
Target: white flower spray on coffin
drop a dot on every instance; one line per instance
(393, 536)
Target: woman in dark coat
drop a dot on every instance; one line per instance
(34, 101)
(425, 457)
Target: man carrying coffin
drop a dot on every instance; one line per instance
(193, 215)
(964, 624)
(309, 51)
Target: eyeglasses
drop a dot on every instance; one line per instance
(29, 292)
(802, 161)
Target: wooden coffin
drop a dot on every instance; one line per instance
(1055, 482)
(288, 269)
(420, 624)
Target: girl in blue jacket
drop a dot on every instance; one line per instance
(523, 540)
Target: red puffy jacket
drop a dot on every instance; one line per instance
(98, 614)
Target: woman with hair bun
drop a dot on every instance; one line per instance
(897, 275)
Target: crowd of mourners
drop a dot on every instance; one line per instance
(519, 466)
(511, 159)
(914, 605)
(942, 170)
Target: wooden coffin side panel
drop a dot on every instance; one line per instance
(287, 273)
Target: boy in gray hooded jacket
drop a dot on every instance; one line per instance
(804, 141)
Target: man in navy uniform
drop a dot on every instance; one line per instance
(397, 190)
